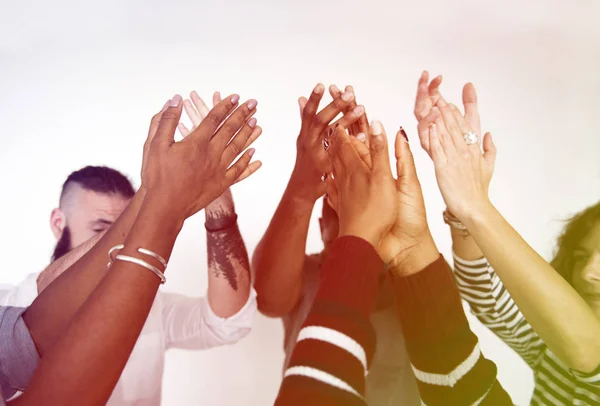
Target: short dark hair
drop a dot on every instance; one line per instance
(577, 228)
(100, 179)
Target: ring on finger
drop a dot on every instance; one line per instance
(471, 137)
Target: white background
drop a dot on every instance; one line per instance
(80, 81)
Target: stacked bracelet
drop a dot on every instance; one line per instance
(138, 261)
(455, 223)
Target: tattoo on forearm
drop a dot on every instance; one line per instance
(226, 249)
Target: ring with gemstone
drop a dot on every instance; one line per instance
(471, 138)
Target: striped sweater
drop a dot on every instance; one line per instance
(490, 302)
(336, 344)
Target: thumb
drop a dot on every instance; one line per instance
(405, 163)
(489, 149)
(379, 148)
(168, 122)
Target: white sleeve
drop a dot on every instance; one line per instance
(21, 295)
(190, 323)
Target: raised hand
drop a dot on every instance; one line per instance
(311, 158)
(363, 196)
(410, 231)
(193, 172)
(197, 110)
(462, 171)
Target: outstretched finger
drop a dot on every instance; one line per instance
(213, 120)
(310, 108)
(237, 169)
(169, 120)
(379, 149)
(250, 169)
(183, 130)
(201, 107)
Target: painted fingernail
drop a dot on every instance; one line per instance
(252, 104)
(251, 152)
(403, 134)
(359, 110)
(376, 127)
(175, 101)
(235, 98)
(347, 96)
(361, 137)
(252, 122)
(325, 144)
(319, 88)
(194, 93)
(217, 95)
(324, 177)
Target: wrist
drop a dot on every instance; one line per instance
(475, 219)
(371, 237)
(296, 197)
(305, 192)
(159, 209)
(416, 258)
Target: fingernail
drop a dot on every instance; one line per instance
(329, 132)
(335, 89)
(252, 104)
(251, 152)
(376, 127)
(235, 98)
(175, 101)
(359, 110)
(252, 122)
(218, 94)
(361, 137)
(319, 88)
(325, 144)
(452, 106)
(335, 127)
(347, 96)
(403, 134)
(324, 177)
(194, 93)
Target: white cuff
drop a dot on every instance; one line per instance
(235, 327)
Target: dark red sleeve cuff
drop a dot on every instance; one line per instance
(350, 274)
(432, 316)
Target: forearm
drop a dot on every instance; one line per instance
(553, 308)
(337, 339)
(88, 359)
(465, 246)
(443, 350)
(229, 277)
(52, 311)
(279, 257)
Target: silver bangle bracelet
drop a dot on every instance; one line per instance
(143, 263)
(455, 223)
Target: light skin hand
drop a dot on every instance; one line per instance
(408, 247)
(363, 197)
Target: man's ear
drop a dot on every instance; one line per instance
(58, 221)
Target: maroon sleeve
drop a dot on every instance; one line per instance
(444, 352)
(337, 342)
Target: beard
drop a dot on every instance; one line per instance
(63, 245)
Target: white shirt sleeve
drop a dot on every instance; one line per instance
(21, 295)
(190, 323)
